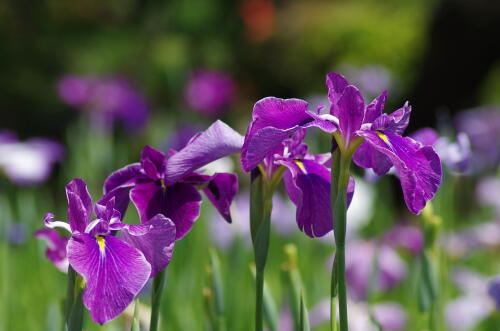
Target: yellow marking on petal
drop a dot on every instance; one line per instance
(162, 182)
(101, 242)
(301, 166)
(83, 283)
(383, 137)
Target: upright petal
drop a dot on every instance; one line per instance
(113, 270)
(308, 185)
(180, 203)
(274, 120)
(218, 141)
(336, 85)
(153, 162)
(155, 239)
(126, 176)
(121, 197)
(396, 122)
(79, 204)
(375, 108)
(221, 190)
(351, 111)
(418, 167)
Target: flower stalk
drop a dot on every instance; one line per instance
(156, 294)
(74, 304)
(261, 192)
(340, 181)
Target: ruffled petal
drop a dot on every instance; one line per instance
(375, 108)
(308, 185)
(396, 122)
(79, 204)
(113, 270)
(155, 239)
(180, 203)
(274, 120)
(126, 176)
(418, 167)
(218, 141)
(153, 162)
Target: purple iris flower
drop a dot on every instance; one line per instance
(108, 99)
(114, 269)
(494, 291)
(169, 186)
(380, 140)
(56, 247)
(209, 91)
(274, 139)
(29, 162)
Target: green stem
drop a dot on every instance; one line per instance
(261, 193)
(158, 286)
(340, 181)
(70, 293)
(74, 305)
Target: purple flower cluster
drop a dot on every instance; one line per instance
(107, 100)
(116, 259)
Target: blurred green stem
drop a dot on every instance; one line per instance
(340, 181)
(158, 286)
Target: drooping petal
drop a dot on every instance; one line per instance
(155, 239)
(56, 247)
(351, 112)
(113, 270)
(308, 185)
(79, 204)
(274, 120)
(126, 176)
(336, 85)
(418, 167)
(375, 108)
(180, 203)
(153, 162)
(396, 122)
(221, 190)
(368, 157)
(218, 141)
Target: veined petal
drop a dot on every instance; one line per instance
(153, 162)
(308, 185)
(351, 111)
(125, 176)
(396, 122)
(218, 141)
(336, 85)
(113, 270)
(418, 167)
(79, 204)
(180, 203)
(155, 239)
(375, 108)
(221, 190)
(274, 120)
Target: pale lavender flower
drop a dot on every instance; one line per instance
(487, 192)
(29, 162)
